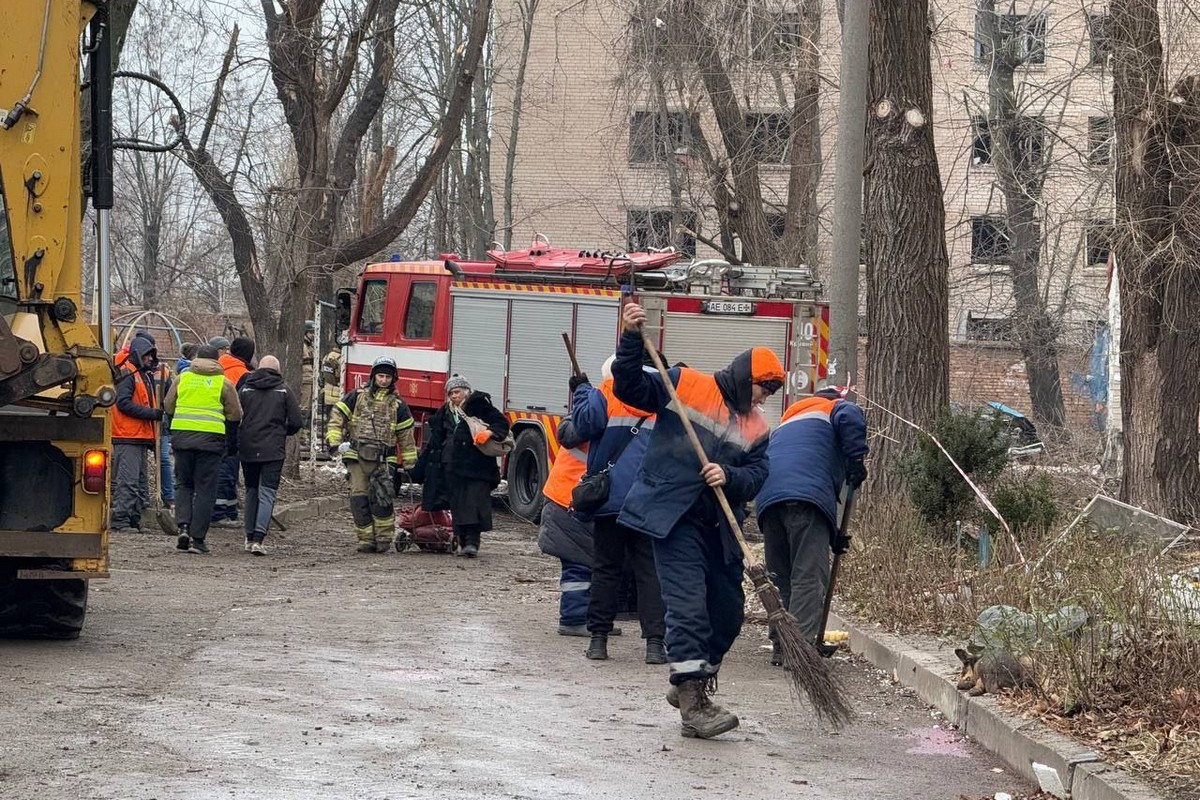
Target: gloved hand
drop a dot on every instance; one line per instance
(483, 437)
(841, 544)
(577, 381)
(856, 473)
(393, 472)
(158, 414)
(331, 448)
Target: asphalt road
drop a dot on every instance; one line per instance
(316, 672)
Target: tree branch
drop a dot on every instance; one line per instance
(218, 90)
(451, 128)
(345, 159)
(345, 70)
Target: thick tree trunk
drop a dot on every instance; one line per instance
(1021, 178)
(1157, 136)
(907, 264)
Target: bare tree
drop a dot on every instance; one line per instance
(315, 55)
(907, 264)
(1158, 217)
(1021, 174)
(527, 10)
(682, 52)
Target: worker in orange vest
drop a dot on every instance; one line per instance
(563, 536)
(133, 419)
(236, 361)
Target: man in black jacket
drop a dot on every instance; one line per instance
(270, 414)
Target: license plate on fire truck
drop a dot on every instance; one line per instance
(727, 307)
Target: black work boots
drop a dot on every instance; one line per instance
(655, 652)
(700, 717)
(598, 648)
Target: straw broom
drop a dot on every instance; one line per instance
(808, 671)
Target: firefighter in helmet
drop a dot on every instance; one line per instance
(368, 426)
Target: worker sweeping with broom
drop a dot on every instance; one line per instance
(699, 562)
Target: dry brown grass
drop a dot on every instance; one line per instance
(1130, 686)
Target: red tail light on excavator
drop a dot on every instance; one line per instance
(95, 471)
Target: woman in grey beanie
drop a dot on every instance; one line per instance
(452, 458)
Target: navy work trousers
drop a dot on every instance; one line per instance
(701, 580)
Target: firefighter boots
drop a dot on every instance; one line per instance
(700, 717)
(598, 648)
(655, 652)
(673, 696)
(384, 531)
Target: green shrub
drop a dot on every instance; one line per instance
(977, 442)
(1027, 502)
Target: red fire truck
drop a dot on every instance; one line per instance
(500, 322)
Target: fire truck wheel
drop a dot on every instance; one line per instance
(527, 471)
(40, 609)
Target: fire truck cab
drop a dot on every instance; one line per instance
(500, 323)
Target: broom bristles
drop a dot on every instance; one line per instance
(809, 672)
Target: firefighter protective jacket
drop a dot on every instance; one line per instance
(668, 484)
(374, 415)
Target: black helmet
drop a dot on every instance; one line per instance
(310, 326)
(383, 364)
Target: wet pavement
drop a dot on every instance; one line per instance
(316, 672)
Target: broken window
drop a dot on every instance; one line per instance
(981, 142)
(647, 228)
(1100, 141)
(1099, 26)
(1026, 32)
(1098, 242)
(989, 240)
(768, 140)
(654, 136)
(988, 329)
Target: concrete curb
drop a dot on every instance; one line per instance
(1059, 765)
(292, 513)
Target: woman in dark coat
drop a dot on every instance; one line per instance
(466, 476)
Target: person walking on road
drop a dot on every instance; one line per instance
(134, 417)
(237, 366)
(371, 424)
(819, 445)
(699, 562)
(467, 473)
(201, 403)
(618, 436)
(270, 414)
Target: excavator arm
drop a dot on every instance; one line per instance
(49, 356)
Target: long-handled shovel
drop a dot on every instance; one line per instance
(166, 519)
(810, 674)
(843, 527)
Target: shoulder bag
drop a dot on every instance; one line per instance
(591, 493)
(493, 448)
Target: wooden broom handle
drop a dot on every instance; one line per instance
(571, 352)
(695, 440)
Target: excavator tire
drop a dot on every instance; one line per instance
(40, 609)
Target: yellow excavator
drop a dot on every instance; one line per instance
(57, 379)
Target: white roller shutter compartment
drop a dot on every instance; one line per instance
(708, 343)
(478, 342)
(595, 336)
(539, 366)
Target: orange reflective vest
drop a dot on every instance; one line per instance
(234, 368)
(127, 427)
(569, 466)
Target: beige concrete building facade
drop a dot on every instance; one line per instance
(586, 172)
